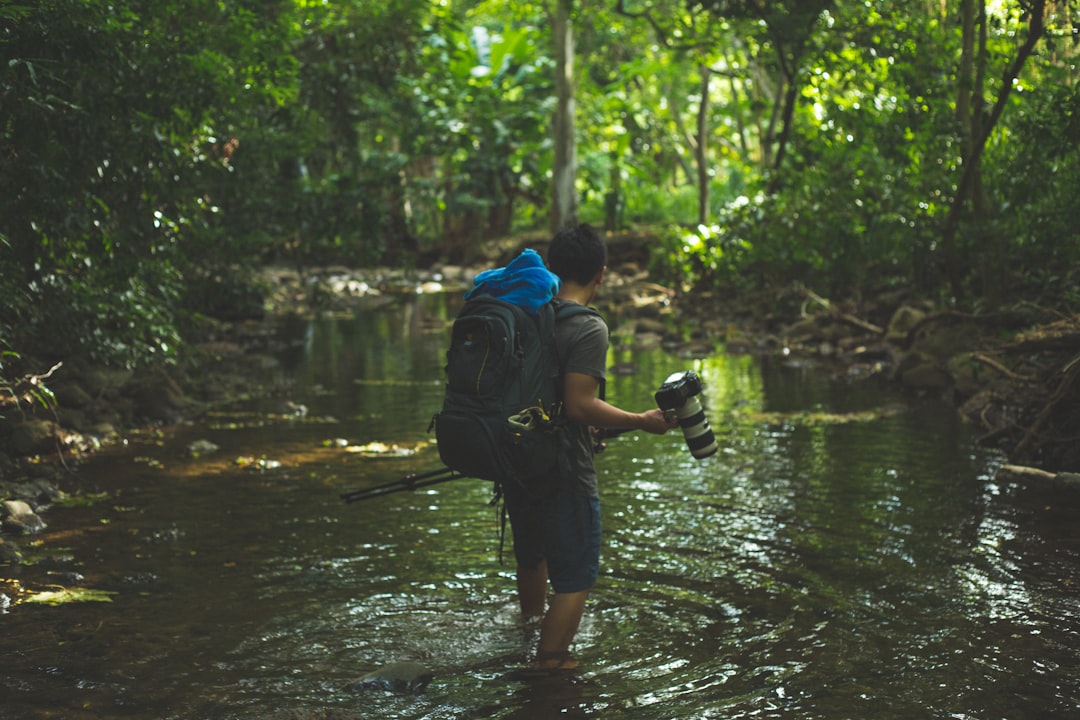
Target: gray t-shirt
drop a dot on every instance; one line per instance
(583, 343)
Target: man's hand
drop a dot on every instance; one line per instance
(598, 436)
(657, 422)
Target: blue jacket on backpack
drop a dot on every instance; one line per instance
(525, 282)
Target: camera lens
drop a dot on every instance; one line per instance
(681, 393)
(695, 428)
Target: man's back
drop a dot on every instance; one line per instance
(582, 341)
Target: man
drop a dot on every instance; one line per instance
(558, 540)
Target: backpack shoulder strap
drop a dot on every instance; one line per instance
(546, 317)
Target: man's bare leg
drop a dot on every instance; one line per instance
(559, 628)
(532, 590)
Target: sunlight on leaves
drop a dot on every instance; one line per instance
(86, 500)
(380, 449)
(68, 595)
(261, 463)
(813, 418)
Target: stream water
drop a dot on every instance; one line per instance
(847, 554)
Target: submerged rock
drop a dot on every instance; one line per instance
(35, 492)
(32, 437)
(198, 448)
(10, 553)
(19, 519)
(397, 677)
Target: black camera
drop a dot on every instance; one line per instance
(681, 394)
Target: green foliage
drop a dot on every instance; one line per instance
(874, 156)
(485, 105)
(1033, 173)
(111, 135)
(134, 324)
(332, 162)
(22, 388)
(704, 255)
(155, 152)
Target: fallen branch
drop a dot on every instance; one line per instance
(980, 357)
(26, 388)
(1061, 395)
(994, 434)
(1063, 334)
(1025, 472)
(1049, 311)
(1071, 364)
(1067, 341)
(846, 317)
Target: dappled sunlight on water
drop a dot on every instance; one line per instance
(846, 554)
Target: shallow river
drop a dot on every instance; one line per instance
(847, 554)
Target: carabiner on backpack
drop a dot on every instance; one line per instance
(530, 419)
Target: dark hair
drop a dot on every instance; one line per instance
(577, 254)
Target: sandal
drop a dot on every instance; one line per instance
(548, 665)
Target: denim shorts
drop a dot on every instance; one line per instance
(564, 530)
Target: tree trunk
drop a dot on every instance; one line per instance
(790, 98)
(564, 198)
(701, 154)
(613, 200)
(966, 96)
(976, 122)
(992, 252)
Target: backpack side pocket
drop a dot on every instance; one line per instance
(470, 444)
(479, 358)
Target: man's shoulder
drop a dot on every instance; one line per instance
(584, 336)
(564, 306)
(567, 311)
(576, 324)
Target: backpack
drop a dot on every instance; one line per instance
(502, 418)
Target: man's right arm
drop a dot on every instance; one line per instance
(583, 406)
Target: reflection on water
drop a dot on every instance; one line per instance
(846, 554)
